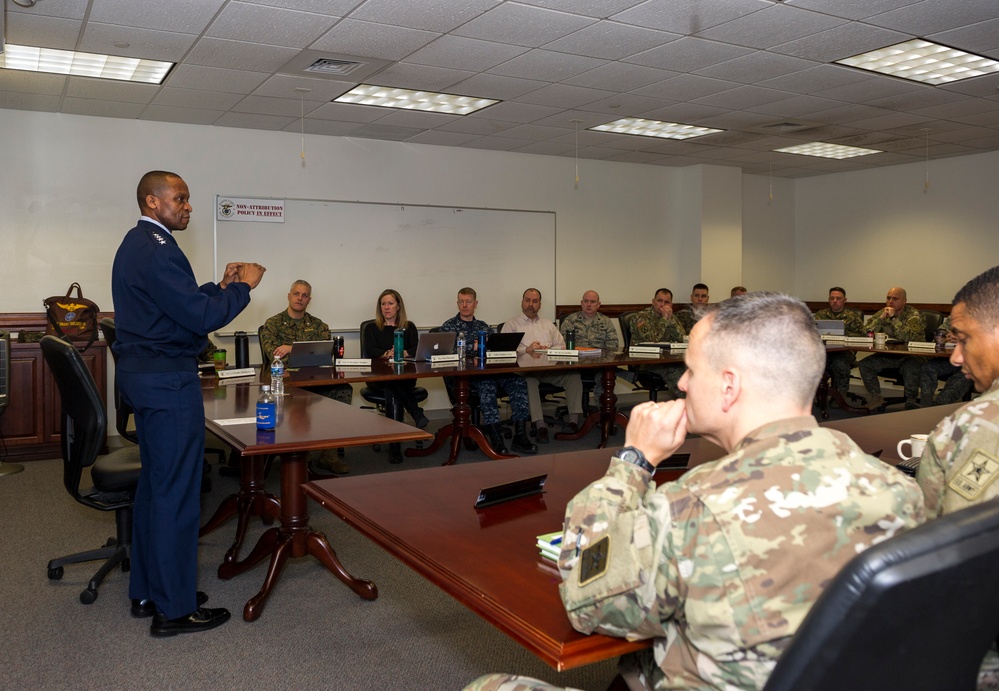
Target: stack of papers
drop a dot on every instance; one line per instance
(922, 345)
(550, 544)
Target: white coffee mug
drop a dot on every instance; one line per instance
(880, 340)
(917, 443)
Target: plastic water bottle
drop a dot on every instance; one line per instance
(266, 409)
(482, 345)
(397, 345)
(460, 344)
(277, 376)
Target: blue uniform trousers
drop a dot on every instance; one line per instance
(170, 423)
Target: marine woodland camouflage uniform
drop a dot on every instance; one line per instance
(959, 468)
(515, 386)
(598, 332)
(907, 326)
(648, 326)
(956, 385)
(281, 329)
(839, 364)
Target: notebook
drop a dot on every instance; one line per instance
(504, 341)
(311, 354)
(436, 343)
(832, 327)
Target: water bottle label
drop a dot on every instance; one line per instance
(266, 415)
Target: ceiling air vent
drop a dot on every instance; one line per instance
(330, 66)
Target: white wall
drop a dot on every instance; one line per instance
(873, 229)
(768, 239)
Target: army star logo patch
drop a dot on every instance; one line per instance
(593, 561)
(975, 476)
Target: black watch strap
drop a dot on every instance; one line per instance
(630, 454)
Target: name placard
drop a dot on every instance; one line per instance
(353, 362)
(446, 357)
(233, 373)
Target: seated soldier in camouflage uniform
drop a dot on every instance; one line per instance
(932, 370)
(720, 567)
(839, 364)
(960, 464)
(593, 330)
(699, 298)
(296, 324)
(659, 324)
(901, 322)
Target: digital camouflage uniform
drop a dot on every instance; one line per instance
(721, 566)
(515, 386)
(907, 326)
(839, 364)
(956, 385)
(647, 326)
(598, 332)
(959, 468)
(281, 329)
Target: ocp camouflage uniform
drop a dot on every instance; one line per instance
(648, 326)
(907, 326)
(959, 468)
(956, 385)
(510, 682)
(839, 364)
(281, 329)
(597, 332)
(686, 318)
(515, 386)
(721, 566)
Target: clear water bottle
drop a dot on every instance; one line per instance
(266, 409)
(277, 376)
(459, 344)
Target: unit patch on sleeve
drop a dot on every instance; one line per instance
(975, 476)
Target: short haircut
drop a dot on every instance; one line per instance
(529, 290)
(699, 286)
(151, 183)
(980, 296)
(838, 289)
(738, 290)
(302, 282)
(773, 337)
(400, 320)
(468, 291)
(663, 290)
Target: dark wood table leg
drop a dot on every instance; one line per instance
(460, 428)
(607, 417)
(251, 500)
(293, 538)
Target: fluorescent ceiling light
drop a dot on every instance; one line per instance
(823, 150)
(654, 128)
(923, 61)
(78, 64)
(389, 97)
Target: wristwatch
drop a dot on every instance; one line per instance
(630, 454)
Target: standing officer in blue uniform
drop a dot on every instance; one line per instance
(162, 317)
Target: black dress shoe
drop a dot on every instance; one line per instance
(542, 435)
(146, 608)
(200, 619)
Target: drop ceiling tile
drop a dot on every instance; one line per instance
(240, 21)
(869, 89)
(104, 109)
(735, 119)
(981, 37)
(45, 32)
(949, 111)
(348, 112)
(465, 53)
(442, 138)
(27, 101)
(889, 122)
(255, 121)
(440, 16)
(385, 132)
(214, 79)
(496, 86)
(185, 16)
(686, 87)
(370, 40)
(263, 105)
(989, 119)
(687, 16)
(600, 9)
(17, 81)
(496, 143)
(187, 116)
(775, 24)
(610, 40)
(515, 112)
(236, 55)
(688, 54)
(596, 152)
(284, 85)
(616, 76)
(626, 105)
(420, 77)
(986, 143)
(564, 96)
(756, 67)
(913, 100)
(851, 9)
(336, 8)
(840, 42)
(535, 132)
(141, 43)
(964, 134)
(583, 137)
(983, 87)
(744, 97)
(794, 107)
(522, 25)
(106, 90)
(478, 127)
(684, 113)
(69, 9)
(546, 66)
(815, 79)
(931, 17)
(326, 128)
(544, 149)
(634, 157)
(415, 119)
(191, 99)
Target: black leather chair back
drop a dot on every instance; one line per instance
(918, 611)
(264, 361)
(933, 321)
(624, 319)
(4, 369)
(123, 411)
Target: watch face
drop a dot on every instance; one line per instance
(629, 455)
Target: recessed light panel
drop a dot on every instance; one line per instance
(922, 61)
(824, 150)
(389, 97)
(74, 63)
(654, 128)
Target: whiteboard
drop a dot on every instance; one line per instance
(350, 251)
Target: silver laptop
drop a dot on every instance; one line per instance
(436, 343)
(310, 354)
(830, 327)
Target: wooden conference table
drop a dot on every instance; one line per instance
(306, 422)
(487, 558)
(461, 427)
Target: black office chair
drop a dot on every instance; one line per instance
(6, 468)
(914, 612)
(115, 476)
(644, 379)
(375, 395)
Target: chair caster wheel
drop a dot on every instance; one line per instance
(55, 574)
(88, 596)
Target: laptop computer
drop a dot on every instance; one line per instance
(831, 327)
(436, 343)
(503, 341)
(311, 354)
